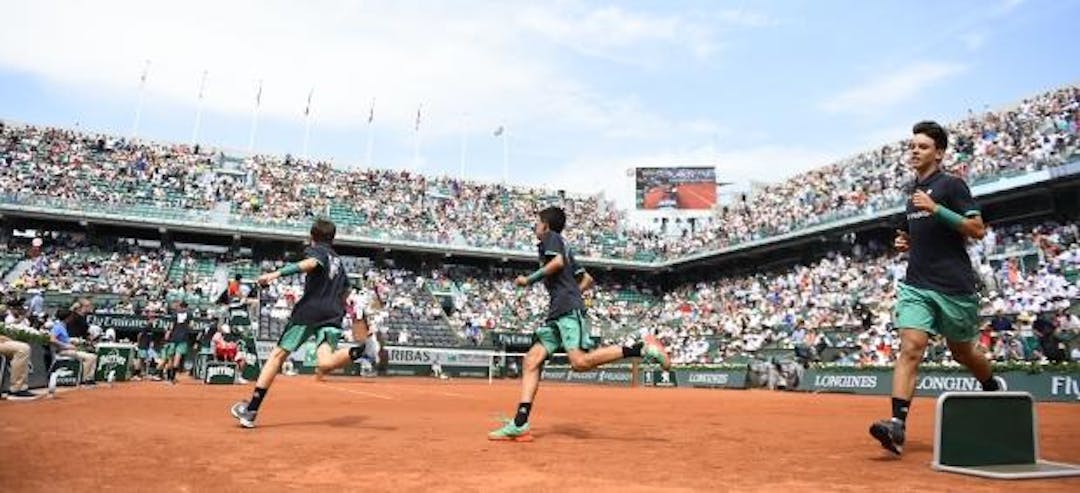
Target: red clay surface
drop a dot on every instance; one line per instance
(424, 435)
(688, 196)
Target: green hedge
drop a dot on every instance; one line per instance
(27, 337)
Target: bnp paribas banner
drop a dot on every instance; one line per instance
(1049, 385)
(419, 356)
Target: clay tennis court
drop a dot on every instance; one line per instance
(423, 435)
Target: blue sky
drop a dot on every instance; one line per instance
(586, 90)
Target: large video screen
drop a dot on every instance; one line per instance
(676, 188)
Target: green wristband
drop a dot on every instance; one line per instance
(949, 217)
(536, 276)
(290, 269)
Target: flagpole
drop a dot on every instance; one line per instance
(307, 123)
(255, 118)
(370, 129)
(142, 96)
(198, 110)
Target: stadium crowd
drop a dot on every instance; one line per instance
(844, 301)
(83, 170)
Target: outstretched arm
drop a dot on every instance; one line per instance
(304, 266)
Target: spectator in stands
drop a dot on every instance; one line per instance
(17, 354)
(62, 343)
(1026, 333)
(36, 306)
(1050, 345)
(1001, 323)
(78, 326)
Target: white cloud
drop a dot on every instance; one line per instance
(890, 89)
(480, 58)
(745, 18)
(1008, 5)
(613, 33)
(635, 38)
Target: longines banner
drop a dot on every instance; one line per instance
(1046, 386)
(708, 378)
(134, 323)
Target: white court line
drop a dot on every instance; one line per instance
(361, 392)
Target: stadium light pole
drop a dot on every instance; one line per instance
(198, 110)
(370, 135)
(142, 97)
(255, 118)
(307, 123)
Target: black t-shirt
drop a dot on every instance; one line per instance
(181, 331)
(562, 286)
(937, 258)
(78, 327)
(323, 302)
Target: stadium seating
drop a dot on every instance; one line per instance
(80, 172)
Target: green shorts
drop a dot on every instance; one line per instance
(180, 348)
(143, 353)
(167, 351)
(954, 316)
(570, 331)
(295, 336)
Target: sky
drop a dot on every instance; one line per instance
(584, 91)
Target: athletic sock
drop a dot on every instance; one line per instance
(632, 351)
(256, 399)
(900, 409)
(990, 385)
(171, 374)
(522, 416)
(356, 352)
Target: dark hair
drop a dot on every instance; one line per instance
(934, 131)
(63, 314)
(554, 217)
(323, 231)
(237, 277)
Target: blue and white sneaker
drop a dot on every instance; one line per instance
(241, 413)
